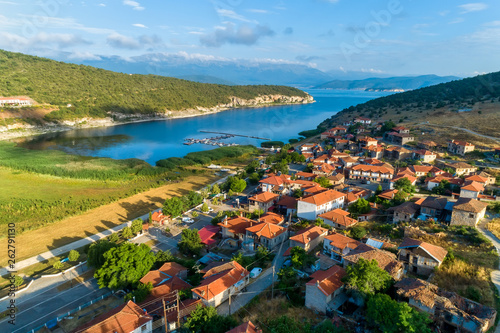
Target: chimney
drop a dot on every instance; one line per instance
(225, 220)
(317, 283)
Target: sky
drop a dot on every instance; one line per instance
(390, 37)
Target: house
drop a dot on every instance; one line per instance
(333, 132)
(452, 313)
(460, 147)
(398, 153)
(430, 145)
(420, 257)
(403, 213)
(399, 138)
(19, 101)
(158, 218)
(413, 180)
(305, 175)
(310, 190)
(268, 235)
(374, 151)
(401, 130)
(312, 206)
(337, 246)
(388, 194)
(309, 238)
(478, 179)
(221, 282)
(467, 211)
(385, 260)
(273, 218)
(435, 181)
(490, 179)
(370, 172)
(461, 168)
(341, 144)
(424, 155)
(247, 327)
(362, 120)
(336, 179)
(379, 244)
(324, 287)
(126, 318)
(323, 170)
(164, 274)
(263, 201)
(424, 170)
(433, 207)
(338, 218)
(348, 161)
(287, 205)
(207, 235)
(471, 189)
(274, 183)
(235, 227)
(367, 142)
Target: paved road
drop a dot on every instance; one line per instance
(264, 281)
(465, 130)
(495, 275)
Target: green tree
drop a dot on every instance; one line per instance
(404, 184)
(193, 199)
(136, 226)
(358, 232)
(18, 281)
(390, 316)
(190, 242)
(124, 266)
(400, 197)
(206, 320)
(328, 327)
(297, 193)
(204, 208)
(322, 181)
(215, 189)
(238, 186)
(378, 190)
(194, 214)
(286, 324)
(388, 126)
(127, 233)
(252, 166)
(360, 206)
(230, 193)
(205, 193)
(95, 255)
(366, 277)
(140, 294)
(58, 265)
(73, 255)
(300, 258)
(162, 257)
(114, 237)
(173, 207)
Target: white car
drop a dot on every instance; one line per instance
(187, 220)
(255, 272)
(210, 209)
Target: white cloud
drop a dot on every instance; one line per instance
(65, 23)
(232, 15)
(372, 70)
(139, 25)
(492, 24)
(62, 40)
(119, 41)
(102, 5)
(473, 7)
(83, 56)
(457, 20)
(229, 34)
(12, 40)
(134, 4)
(258, 11)
(8, 3)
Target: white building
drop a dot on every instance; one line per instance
(310, 207)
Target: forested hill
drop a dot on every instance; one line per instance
(95, 92)
(450, 96)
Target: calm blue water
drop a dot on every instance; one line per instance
(155, 140)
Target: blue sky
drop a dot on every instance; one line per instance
(391, 37)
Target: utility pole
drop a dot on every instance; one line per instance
(272, 285)
(165, 316)
(178, 309)
(229, 301)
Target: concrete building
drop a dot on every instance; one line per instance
(420, 257)
(324, 287)
(312, 206)
(309, 238)
(460, 147)
(467, 211)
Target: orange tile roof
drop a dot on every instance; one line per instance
(288, 201)
(437, 252)
(341, 242)
(172, 268)
(328, 281)
(388, 194)
(461, 143)
(477, 179)
(470, 205)
(264, 197)
(237, 224)
(473, 186)
(386, 260)
(410, 178)
(163, 274)
(123, 319)
(372, 168)
(305, 174)
(424, 152)
(267, 230)
(247, 327)
(323, 197)
(314, 189)
(309, 234)
(219, 282)
(339, 216)
(273, 218)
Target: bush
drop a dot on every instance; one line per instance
(358, 232)
(270, 144)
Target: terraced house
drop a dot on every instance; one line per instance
(370, 172)
(310, 207)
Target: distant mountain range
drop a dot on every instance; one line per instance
(399, 83)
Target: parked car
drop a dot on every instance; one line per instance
(210, 209)
(187, 220)
(255, 272)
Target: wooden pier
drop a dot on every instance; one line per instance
(245, 136)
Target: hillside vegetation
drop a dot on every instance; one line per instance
(478, 96)
(96, 92)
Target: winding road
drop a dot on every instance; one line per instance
(465, 130)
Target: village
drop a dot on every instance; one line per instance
(313, 223)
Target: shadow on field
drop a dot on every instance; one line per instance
(156, 199)
(137, 209)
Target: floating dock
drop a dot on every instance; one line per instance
(230, 134)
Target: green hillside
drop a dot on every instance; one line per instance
(418, 104)
(95, 92)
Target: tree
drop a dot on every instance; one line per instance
(162, 257)
(190, 242)
(322, 181)
(140, 294)
(388, 125)
(206, 320)
(300, 258)
(230, 193)
(58, 265)
(173, 207)
(18, 281)
(238, 186)
(442, 187)
(360, 206)
(114, 237)
(400, 197)
(281, 166)
(95, 255)
(358, 232)
(204, 192)
(193, 199)
(297, 193)
(215, 189)
(73, 255)
(252, 166)
(378, 190)
(404, 184)
(204, 208)
(127, 233)
(328, 327)
(366, 277)
(124, 266)
(394, 317)
(136, 226)
(286, 324)
(194, 214)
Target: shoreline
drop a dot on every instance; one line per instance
(83, 123)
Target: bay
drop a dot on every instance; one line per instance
(155, 140)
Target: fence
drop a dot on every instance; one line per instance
(53, 322)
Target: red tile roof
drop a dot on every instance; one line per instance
(341, 242)
(388, 194)
(386, 260)
(309, 234)
(267, 230)
(237, 224)
(273, 218)
(264, 197)
(289, 202)
(372, 168)
(328, 281)
(219, 282)
(123, 319)
(339, 216)
(164, 273)
(477, 179)
(437, 252)
(473, 186)
(323, 197)
(247, 327)
(470, 205)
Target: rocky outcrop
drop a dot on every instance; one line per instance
(23, 129)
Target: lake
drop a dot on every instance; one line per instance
(155, 140)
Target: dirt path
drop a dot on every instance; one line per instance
(60, 233)
(463, 129)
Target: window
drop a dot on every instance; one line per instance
(144, 328)
(472, 215)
